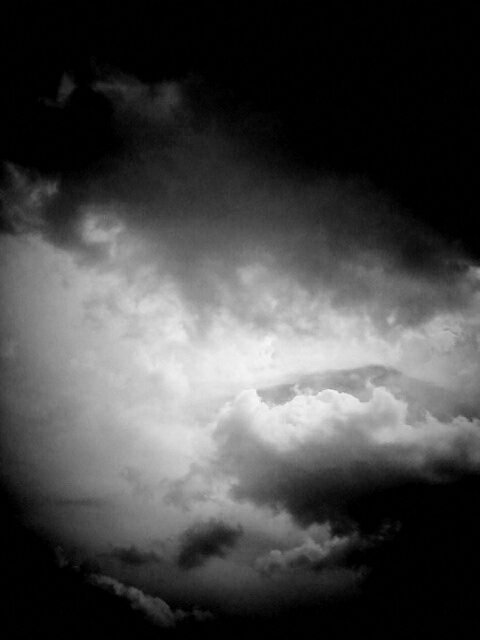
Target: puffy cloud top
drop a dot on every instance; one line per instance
(318, 453)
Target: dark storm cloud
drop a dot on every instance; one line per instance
(134, 556)
(320, 456)
(206, 540)
(202, 205)
(205, 202)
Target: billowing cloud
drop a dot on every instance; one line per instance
(420, 396)
(206, 540)
(320, 453)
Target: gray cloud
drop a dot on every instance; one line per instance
(193, 487)
(206, 540)
(153, 608)
(87, 503)
(139, 487)
(421, 397)
(332, 552)
(204, 204)
(183, 229)
(321, 453)
(134, 556)
(310, 555)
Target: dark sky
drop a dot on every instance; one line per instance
(380, 90)
(377, 97)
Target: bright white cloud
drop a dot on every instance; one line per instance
(319, 452)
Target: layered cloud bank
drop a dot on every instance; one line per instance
(219, 377)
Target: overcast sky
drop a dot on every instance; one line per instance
(239, 354)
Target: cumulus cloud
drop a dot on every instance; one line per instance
(206, 540)
(421, 397)
(320, 453)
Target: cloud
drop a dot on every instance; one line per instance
(153, 608)
(186, 270)
(328, 552)
(202, 203)
(117, 381)
(193, 487)
(206, 540)
(310, 555)
(319, 454)
(134, 556)
(421, 397)
(133, 477)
